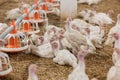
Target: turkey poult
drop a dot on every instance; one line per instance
(92, 48)
(65, 57)
(114, 72)
(79, 72)
(13, 14)
(78, 27)
(17, 12)
(96, 18)
(72, 33)
(113, 30)
(46, 50)
(37, 40)
(76, 41)
(116, 45)
(32, 72)
(52, 31)
(65, 44)
(89, 2)
(96, 35)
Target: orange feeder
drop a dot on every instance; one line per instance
(36, 2)
(26, 22)
(44, 6)
(14, 41)
(25, 25)
(51, 1)
(5, 67)
(36, 15)
(39, 16)
(26, 12)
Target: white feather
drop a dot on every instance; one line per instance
(89, 2)
(63, 57)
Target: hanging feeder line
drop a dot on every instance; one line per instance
(2, 36)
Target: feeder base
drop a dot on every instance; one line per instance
(38, 21)
(3, 73)
(34, 32)
(13, 49)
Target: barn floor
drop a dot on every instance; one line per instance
(97, 65)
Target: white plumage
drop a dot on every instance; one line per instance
(65, 44)
(113, 30)
(114, 72)
(37, 40)
(13, 14)
(63, 57)
(101, 18)
(17, 12)
(92, 48)
(76, 39)
(73, 31)
(46, 50)
(96, 35)
(114, 57)
(78, 25)
(79, 72)
(52, 32)
(32, 72)
(25, 6)
(96, 18)
(56, 11)
(116, 46)
(89, 2)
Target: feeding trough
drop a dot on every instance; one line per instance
(14, 41)
(39, 16)
(25, 25)
(68, 11)
(5, 67)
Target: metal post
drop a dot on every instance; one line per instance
(8, 30)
